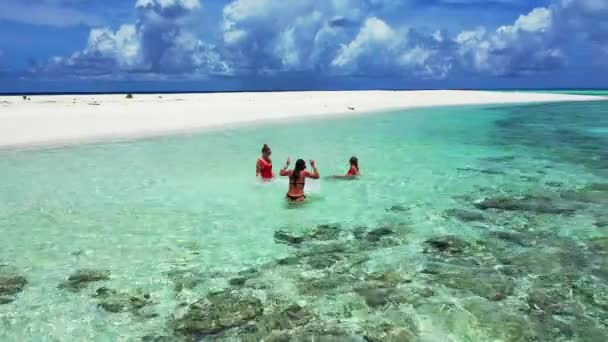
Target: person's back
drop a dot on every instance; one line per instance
(297, 179)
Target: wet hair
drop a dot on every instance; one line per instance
(300, 166)
(354, 161)
(265, 148)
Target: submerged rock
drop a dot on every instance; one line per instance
(597, 187)
(586, 196)
(291, 317)
(498, 323)
(564, 328)
(388, 333)
(82, 278)
(593, 292)
(513, 237)
(288, 261)
(6, 300)
(598, 245)
(376, 238)
(152, 338)
(184, 279)
(375, 297)
(359, 232)
(378, 234)
(321, 332)
(325, 248)
(543, 205)
(493, 286)
(465, 215)
(324, 260)
(114, 301)
(326, 284)
(482, 281)
(325, 232)
(249, 272)
(537, 261)
(484, 171)
(502, 159)
(398, 208)
(216, 313)
(449, 244)
(288, 238)
(11, 284)
(388, 279)
(601, 221)
(550, 301)
(413, 295)
(568, 305)
(379, 288)
(238, 281)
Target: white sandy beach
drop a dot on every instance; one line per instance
(67, 119)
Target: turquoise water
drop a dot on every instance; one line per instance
(590, 92)
(599, 92)
(176, 220)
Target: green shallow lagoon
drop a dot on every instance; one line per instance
(410, 251)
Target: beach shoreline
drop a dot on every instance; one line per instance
(61, 120)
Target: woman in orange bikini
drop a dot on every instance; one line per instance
(263, 167)
(297, 178)
(353, 171)
(354, 167)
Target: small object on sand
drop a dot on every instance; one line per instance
(94, 103)
(351, 108)
(24, 97)
(129, 96)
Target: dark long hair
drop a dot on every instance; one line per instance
(265, 148)
(354, 161)
(300, 166)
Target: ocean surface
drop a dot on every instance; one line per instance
(482, 223)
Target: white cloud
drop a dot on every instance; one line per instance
(122, 45)
(380, 49)
(374, 33)
(263, 35)
(162, 41)
(539, 20)
(524, 47)
(186, 4)
(335, 37)
(416, 56)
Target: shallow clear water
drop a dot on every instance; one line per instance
(589, 92)
(189, 207)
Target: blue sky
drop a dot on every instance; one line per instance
(115, 45)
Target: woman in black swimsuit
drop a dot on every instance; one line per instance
(297, 178)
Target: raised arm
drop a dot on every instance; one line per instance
(284, 172)
(315, 173)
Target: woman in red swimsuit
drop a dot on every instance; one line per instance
(354, 167)
(297, 178)
(263, 167)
